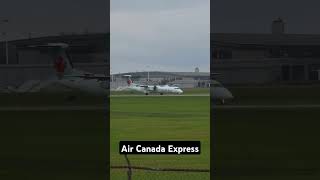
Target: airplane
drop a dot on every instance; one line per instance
(67, 77)
(219, 92)
(147, 89)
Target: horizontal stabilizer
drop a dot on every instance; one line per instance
(50, 45)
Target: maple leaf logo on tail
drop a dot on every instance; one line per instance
(129, 82)
(59, 65)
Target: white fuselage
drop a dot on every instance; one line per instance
(154, 89)
(91, 86)
(167, 89)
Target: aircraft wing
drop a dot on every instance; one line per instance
(50, 45)
(148, 87)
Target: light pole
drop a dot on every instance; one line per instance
(6, 41)
(148, 73)
(111, 74)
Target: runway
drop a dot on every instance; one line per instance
(102, 107)
(295, 106)
(167, 95)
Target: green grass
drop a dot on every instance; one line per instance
(65, 145)
(251, 143)
(142, 175)
(268, 143)
(161, 118)
(280, 144)
(59, 138)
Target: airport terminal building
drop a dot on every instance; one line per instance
(241, 58)
(274, 58)
(19, 62)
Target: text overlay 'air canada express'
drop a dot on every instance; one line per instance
(159, 147)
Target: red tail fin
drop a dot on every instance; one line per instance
(129, 82)
(60, 64)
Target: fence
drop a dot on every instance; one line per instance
(130, 169)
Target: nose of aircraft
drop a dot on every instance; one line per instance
(221, 93)
(180, 91)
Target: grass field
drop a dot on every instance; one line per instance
(161, 118)
(251, 144)
(268, 143)
(64, 145)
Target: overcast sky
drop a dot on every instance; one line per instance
(154, 35)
